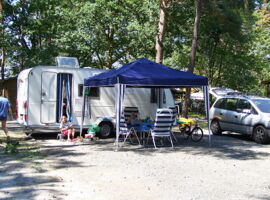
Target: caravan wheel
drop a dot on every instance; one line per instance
(105, 129)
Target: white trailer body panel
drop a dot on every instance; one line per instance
(37, 98)
(48, 97)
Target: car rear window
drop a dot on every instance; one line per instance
(243, 104)
(231, 104)
(220, 103)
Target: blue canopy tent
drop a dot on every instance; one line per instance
(145, 73)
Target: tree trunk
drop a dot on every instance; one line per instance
(161, 30)
(2, 63)
(3, 52)
(198, 5)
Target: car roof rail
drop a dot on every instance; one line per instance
(235, 93)
(245, 95)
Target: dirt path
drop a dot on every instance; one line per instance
(234, 168)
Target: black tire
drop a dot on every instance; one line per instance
(260, 135)
(215, 127)
(105, 130)
(196, 134)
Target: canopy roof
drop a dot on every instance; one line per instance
(146, 73)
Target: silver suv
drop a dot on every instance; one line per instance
(242, 114)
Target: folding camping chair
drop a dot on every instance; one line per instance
(60, 136)
(174, 123)
(129, 110)
(127, 132)
(162, 126)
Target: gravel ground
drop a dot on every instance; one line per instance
(233, 168)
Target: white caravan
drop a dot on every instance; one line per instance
(45, 93)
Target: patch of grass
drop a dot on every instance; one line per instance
(203, 124)
(12, 147)
(28, 147)
(33, 154)
(22, 149)
(196, 115)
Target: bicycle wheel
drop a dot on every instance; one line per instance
(186, 132)
(196, 134)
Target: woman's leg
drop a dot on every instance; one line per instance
(4, 127)
(73, 132)
(68, 135)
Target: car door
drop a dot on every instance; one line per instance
(245, 115)
(228, 115)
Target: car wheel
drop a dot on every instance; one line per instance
(260, 135)
(215, 127)
(105, 129)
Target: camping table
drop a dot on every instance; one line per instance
(143, 128)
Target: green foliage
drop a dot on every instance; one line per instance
(261, 42)
(12, 147)
(102, 33)
(232, 51)
(225, 50)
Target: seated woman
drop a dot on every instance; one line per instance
(66, 128)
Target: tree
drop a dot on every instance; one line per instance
(31, 30)
(164, 5)
(2, 30)
(226, 45)
(102, 34)
(198, 5)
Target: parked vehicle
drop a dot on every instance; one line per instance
(242, 114)
(218, 92)
(214, 93)
(45, 93)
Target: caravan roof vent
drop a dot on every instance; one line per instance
(67, 62)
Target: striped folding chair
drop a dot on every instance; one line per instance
(129, 110)
(174, 112)
(127, 132)
(163, 124)
(174, 123)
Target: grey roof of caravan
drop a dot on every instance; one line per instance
(24, 74)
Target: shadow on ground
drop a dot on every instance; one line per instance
(12, 175)
(227, 146)
(23, 174)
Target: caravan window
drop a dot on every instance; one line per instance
(94, 92)
(153, 98)
(80, 90)
(164, 97)
(91, 92)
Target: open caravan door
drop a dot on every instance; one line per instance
(48, 97)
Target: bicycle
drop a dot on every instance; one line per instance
(196, 133)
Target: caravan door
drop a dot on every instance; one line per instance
(48, 97)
